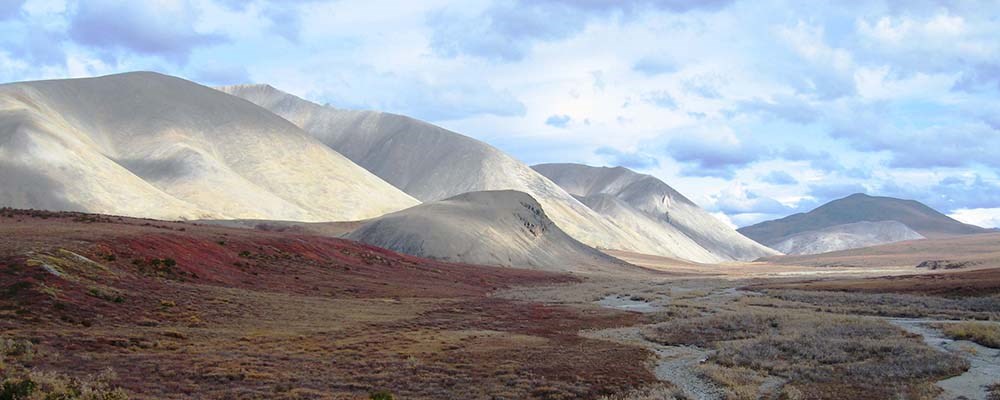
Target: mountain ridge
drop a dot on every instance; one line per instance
(655, 209)
(151, 145)
(432, 163)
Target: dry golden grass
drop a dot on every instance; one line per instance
(984, 333)
(740, 383)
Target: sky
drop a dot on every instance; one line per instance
(753, 109)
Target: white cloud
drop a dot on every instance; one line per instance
(984, 217)
(725, 219)
(867, 91)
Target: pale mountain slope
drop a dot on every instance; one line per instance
(506, 228)
(149, 145)
(432, 163)
(847, 236)
(650, 206)
(681, 246)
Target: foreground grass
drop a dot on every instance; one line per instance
(828, 357)
(985, 334)
(18, 382)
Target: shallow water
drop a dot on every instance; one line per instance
(625, 303)
(984, 362)
(674, 364)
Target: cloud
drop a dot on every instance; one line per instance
(219, 75)
(660, 99)
(821, 70)
(284, 16)
(506, 30)
(789, 108)
(984, 217)
(721, 216)
(362, 87)
(824, 193)
(704, 86)
(633, 160)
(38, 45)
(651, 66)
(162, 28)
(10, 8)
(717, 156)
(818, 159)
(949, 193)
(285, 21)
(558, 121)
(979, 78)
(954, 142)
(779, 178)
(737, 199)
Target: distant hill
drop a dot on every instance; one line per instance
(857, 208)
(647, 205)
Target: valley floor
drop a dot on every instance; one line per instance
(179, 310)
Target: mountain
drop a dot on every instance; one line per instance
(857, 208)
(150, 145)
(506, 228)
(431, 163)
(649, 206)
(847, 236)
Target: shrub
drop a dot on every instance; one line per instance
(112, 297)
(720, 327)
(993, 391)
(657, 392)
(17, 389)
(42, 385)
(17, 382)
(381, 395)
(984, 333)
(812, 351)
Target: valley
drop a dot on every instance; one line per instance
(499, 200)
(241, 313)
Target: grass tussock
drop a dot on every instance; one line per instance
(993, 391)
(656, 392)
(984, 333)
(740, 383)
(18, 382)
(885, 304)
(825, 356)
(703, 331)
